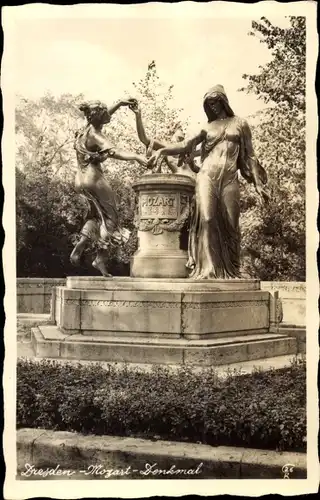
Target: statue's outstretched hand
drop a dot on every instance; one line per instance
(126, 102)
(153, 161)
(143, 161)
(133, 104)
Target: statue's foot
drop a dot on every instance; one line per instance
(200, 276)
(75, 258)
(206, 275)
(102, 268)
(194, 274)
(210, 275)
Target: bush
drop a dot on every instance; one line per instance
(260, 410)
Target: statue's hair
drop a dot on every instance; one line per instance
(91, 108)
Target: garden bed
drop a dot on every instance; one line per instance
(265, 410)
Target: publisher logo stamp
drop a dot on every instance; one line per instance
(287, 470)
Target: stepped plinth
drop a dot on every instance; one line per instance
(170, 321)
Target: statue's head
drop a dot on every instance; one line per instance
(96, 112)
(216, 104)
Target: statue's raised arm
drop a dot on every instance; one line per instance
(154, 144)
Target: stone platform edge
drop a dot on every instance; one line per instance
(45, 449)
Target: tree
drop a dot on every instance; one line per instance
(282, 80)
(46, 128)
(274, 235)
(156, 98)
(48, 209)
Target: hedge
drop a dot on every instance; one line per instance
(259, 410)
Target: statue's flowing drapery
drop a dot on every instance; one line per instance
(214, 237)
(102, 219)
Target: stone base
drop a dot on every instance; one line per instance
(49, 342)
(160, 284)
(159, 266)
(297, 332)
(163, 209)
(209, 322)
(161, 308)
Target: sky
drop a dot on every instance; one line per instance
(102, 57)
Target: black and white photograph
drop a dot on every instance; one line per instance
(160, 250)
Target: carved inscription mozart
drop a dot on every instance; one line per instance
(159, 206)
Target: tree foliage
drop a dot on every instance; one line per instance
(48, 209)
(274, 235)
(283, 79)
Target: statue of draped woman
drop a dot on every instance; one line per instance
(226, 148)
(102, 224)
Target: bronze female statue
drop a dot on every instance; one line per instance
(226, 147)
(102, 219)
(184, 161)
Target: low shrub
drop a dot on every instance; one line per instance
(258, 410)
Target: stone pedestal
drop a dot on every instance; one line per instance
(171, 321)
(162, 212)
